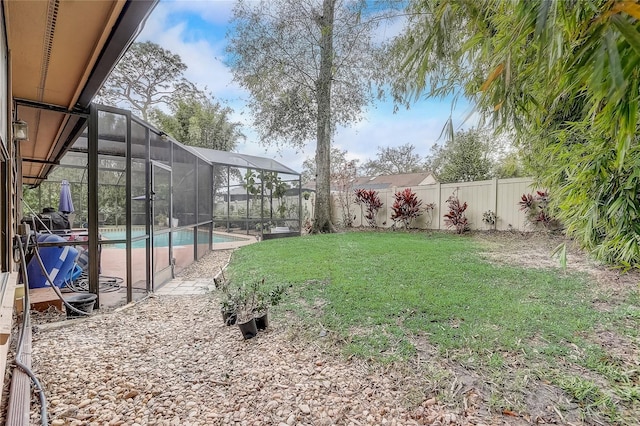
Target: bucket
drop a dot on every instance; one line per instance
(83, 302)
(58, 261)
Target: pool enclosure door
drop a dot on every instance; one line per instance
(162, 222)
(117, 194)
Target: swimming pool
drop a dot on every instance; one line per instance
(180, 238)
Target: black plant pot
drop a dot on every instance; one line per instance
(229, 317)
(83, 302)
(262, 320)
(248, 329)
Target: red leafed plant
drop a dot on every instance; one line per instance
(456, 217)
(536, 207)
(406, 207)
(371, 200)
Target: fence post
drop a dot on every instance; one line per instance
(495, 202)
(392, 194)
(439, 203)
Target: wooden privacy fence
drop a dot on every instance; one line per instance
(500, 196)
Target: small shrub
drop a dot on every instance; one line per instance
(489, 217)
(456, 217)
(266, 299)
(406, 207)
(536, 208)
(307, 225)
(428, 209)
(371, 200)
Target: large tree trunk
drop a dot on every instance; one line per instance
(322, 222)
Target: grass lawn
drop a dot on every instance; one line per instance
(509, 329)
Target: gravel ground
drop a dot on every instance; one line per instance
(168, 360)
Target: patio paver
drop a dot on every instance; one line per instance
(179, 287)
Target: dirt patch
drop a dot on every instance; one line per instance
(517, 397)
(535, 250)
(621, 349)
(610, 287)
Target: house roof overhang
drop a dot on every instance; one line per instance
(62, 51)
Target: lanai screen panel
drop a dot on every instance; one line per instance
(185, 190)
(220, 190)
(73, 169)
(205, 184)
(160, 149)
(139, 183)
(112, 179)
(244, 161)
(253, 194)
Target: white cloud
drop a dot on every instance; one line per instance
(390, 28)
(217, 12)
(203, 59)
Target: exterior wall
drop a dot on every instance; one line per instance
(9, 164)
(498, 195)
(429, 180)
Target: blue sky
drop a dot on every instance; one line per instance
(195, 29)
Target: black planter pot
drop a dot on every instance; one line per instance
(248, 329)
(229, 317)
(262, 321)
(83, 302)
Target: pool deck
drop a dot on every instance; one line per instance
(113, 261)
(242, 240)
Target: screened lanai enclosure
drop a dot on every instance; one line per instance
(145, 206)
(254, 195)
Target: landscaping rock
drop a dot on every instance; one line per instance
(195, 370)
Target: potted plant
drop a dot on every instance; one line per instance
(261, 311)
(245, 307)
(263, 301)
(229, 300)
(228, 311)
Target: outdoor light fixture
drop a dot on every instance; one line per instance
(20, 130)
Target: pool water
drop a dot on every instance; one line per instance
(180, 238)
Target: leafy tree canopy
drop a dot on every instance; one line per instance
(147, 77)
(309, 67)
(472, 155)
(201, 122)
(394, 160)
(464, 158)
(275, 52)
(339, 163)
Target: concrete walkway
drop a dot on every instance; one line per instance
(184, 286)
